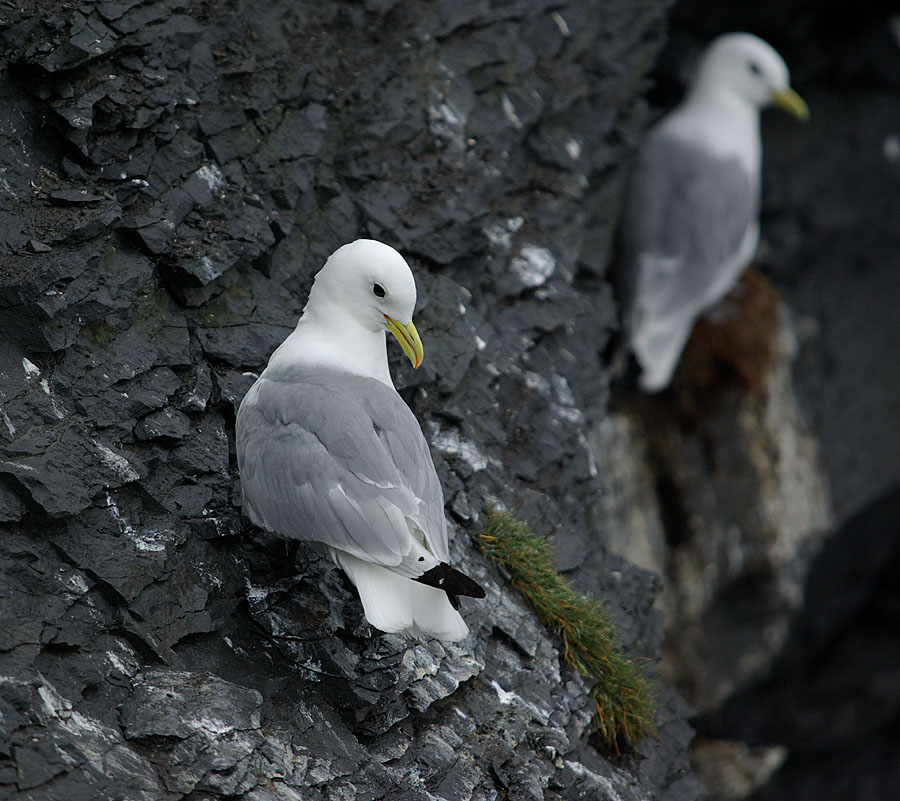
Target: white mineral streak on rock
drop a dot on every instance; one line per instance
(533, 265)
(501, 233)
(117, 463)
(212, 176)
(510, 111)
(450, 443)
(32, 371)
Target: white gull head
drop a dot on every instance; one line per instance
(364, 289)
(743, 65)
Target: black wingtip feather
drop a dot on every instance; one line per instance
(449, 579)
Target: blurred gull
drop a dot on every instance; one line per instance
(690, 223)
(329, 452)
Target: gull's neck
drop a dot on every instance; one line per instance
(337, 341)
(725, 123)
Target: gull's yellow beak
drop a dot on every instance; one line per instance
(408, 338)
(791, 102)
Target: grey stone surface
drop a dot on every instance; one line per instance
(173, 174)
(728, 510)
(830, 697)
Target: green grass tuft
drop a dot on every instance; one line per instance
(590, 643)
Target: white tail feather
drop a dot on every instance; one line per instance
(434, 615)
(658, 345)
(396, 604)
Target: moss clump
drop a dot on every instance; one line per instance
(590, 644)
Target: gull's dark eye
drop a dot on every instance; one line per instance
(378, 290)
(754, 68)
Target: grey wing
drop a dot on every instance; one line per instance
(313, 468)
(687, 217)
(400, 433)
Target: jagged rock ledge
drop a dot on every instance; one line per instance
(173, 175)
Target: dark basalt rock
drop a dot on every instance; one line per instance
(830, 695)
(173, 176)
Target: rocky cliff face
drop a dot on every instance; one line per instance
(173, 174)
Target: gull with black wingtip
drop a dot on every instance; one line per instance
(329, 452)
(691, 219)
